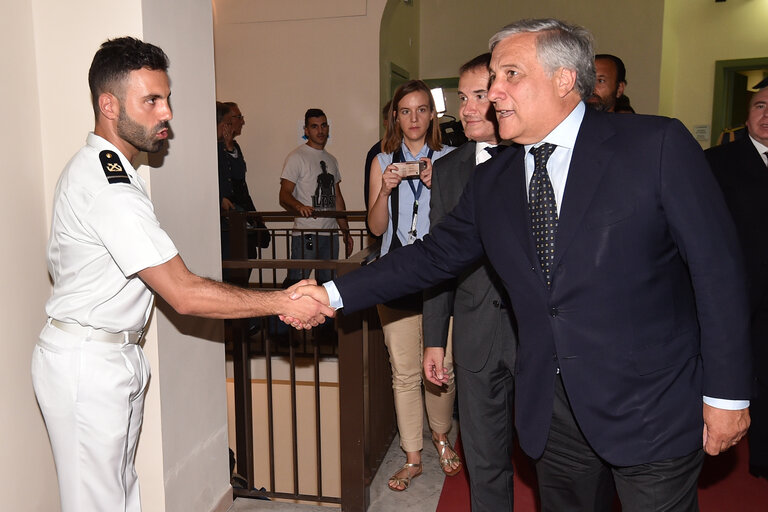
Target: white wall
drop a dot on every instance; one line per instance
(182, 459)
(275, 63)
(399, 43)
(27, 477)
(189, 375)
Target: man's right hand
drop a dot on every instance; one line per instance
(306, 308)
(307, 292)
(390, 180)
(305, 211)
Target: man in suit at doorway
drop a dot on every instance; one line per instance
(623, 269)
(740, 168)
(484, 340)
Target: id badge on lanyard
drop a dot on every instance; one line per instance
(412, 234)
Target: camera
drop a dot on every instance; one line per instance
(410, 169)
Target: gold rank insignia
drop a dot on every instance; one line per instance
(113, 169)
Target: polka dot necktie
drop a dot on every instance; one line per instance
(543, 209)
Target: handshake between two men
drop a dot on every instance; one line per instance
(310, 305)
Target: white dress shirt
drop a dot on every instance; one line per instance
(761, 148)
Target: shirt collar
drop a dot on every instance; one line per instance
(424, 151)
(480, 146)
(564, 134)
(761, 148)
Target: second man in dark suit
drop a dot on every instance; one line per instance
(484, 341)
(740, 168)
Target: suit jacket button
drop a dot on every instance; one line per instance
(495, 303)
(553, 311)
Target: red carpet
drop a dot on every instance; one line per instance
(725, 485)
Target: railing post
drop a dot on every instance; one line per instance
(241, 357)
(355, 494)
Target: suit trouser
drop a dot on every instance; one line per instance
(572, 477)
(486, 418)
(758, 406)
(91, 394)
(404, 340)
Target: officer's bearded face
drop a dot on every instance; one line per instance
(141, 137)
(144, 109)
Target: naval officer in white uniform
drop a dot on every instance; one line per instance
(107, 254)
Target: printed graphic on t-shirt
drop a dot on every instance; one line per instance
(324, 197)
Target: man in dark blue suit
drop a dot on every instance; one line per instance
(624, 272)
(484, 339)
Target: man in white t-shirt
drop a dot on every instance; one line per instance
(309, 183)
(107, 254)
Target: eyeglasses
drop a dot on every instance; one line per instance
(239, 117)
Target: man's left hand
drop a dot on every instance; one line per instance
(723, 428)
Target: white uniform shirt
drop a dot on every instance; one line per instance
(304, 166)
(102, 234)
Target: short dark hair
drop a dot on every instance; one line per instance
(621, 71)
(114, 61)
(480, 62)
(312, 112)
(222, 109)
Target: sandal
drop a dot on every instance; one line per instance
(404, 482)
(447, 461)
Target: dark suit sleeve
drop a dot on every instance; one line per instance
(706, 238)
(225, 183)
(449, 248)
(438, 300)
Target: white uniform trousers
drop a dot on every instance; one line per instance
(91, 394)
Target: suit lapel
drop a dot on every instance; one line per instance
(466, 164)
(588, 164)
(509, 193)
(751, 160)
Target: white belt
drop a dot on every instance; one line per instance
(95, 334)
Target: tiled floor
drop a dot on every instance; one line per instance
(421, 496)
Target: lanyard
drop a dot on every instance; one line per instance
(412, 234)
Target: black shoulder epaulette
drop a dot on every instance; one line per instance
(113, 169)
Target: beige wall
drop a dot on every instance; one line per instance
(27, 477)
(189, 375)
(275, 64)
(696, 34)
(399, 43)
(454, 31)
(182, 459)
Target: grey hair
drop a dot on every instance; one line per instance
(558, 46)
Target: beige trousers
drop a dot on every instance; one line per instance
(403, 337)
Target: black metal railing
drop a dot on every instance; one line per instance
(366, 410)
